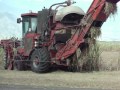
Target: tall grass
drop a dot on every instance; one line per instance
(91, 55)
(110, 55)
(92, 58)
(119, 62)
(1, 58)
(110, 8)
(109, 45)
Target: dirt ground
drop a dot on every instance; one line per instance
(101, 80)
(22, 87)
(110, 60)
(107, 78)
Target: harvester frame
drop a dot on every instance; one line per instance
(45, 50)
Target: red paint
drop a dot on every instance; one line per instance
(29, 14)
(33, 37)
(8, 46)
(20, 51)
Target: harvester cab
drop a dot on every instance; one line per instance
(29, 27)
(29, 22)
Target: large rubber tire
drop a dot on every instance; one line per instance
(3, 63)
(18, 64)
(7, 64)
(40, 60)
(5, 60)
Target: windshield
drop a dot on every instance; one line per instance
(29, 23)
(26, 25)
(33, 24)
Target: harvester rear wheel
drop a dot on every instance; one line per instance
(5, 60)
(40, 60)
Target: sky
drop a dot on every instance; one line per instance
(10, 10)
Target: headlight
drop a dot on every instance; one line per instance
(36, 43)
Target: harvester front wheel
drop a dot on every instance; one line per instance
(40, 60)
(18, 63)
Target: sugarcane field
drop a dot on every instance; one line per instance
(60, 45)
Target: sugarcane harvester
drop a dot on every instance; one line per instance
(58, 37)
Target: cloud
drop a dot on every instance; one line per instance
(36, 0)
(40, 0)
(87, 0)
(8, 26)
(118, 4)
